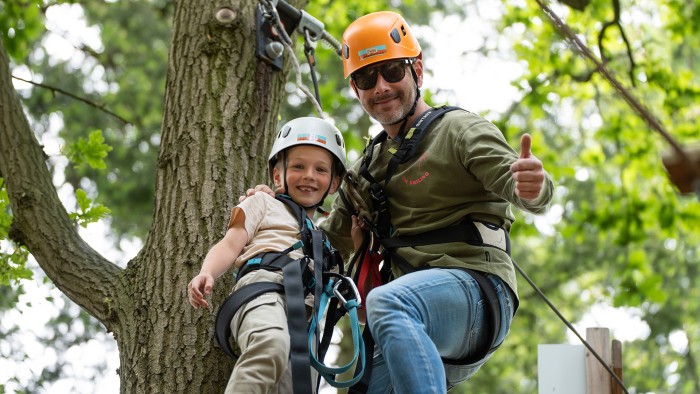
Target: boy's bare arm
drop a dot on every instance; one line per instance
(217, 261)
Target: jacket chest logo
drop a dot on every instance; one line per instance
(421, 175)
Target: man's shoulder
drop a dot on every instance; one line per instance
(463, 116)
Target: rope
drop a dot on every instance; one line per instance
(636, 105)
(571, 327)
(287, 42)
(359, 205)
(311, 60)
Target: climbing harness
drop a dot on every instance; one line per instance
(327, 286)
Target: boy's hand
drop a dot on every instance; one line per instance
(527, 172)
(199, 287)
(259, 188)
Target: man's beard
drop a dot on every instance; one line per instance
(395, 116)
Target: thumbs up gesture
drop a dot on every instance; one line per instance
(527, 172)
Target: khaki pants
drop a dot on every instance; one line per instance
(260, 331)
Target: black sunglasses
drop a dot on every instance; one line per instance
(392, 71)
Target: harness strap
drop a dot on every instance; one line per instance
(407, 148)
(364, 364)
(476, 233)
(414, 135)
(232, 304)
(296, 321)
(317, 247)
(493, 316)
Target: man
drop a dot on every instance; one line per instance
(426, 321)
(441, 211)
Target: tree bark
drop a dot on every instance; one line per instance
(221, 106)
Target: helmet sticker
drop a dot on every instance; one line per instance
(311, 137)
(372, 51)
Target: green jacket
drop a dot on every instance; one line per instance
(461, 167)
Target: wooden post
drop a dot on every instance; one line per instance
(617, 365)
(598, 379)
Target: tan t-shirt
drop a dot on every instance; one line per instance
(270, 225)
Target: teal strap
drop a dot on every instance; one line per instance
(327, 372)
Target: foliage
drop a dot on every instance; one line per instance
(91, 151)
(89, 212)
(12, 259)
(20, 25)
(620, 234)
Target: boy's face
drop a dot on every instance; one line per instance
(308, 172)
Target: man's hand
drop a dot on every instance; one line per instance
(259, 188)
(527, 172)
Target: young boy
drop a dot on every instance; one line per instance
(308, 161)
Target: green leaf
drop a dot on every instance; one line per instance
(13, 266)
(91, 151)
(89, 212)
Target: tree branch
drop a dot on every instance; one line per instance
(636, 105)
(601, 36)
(69, 94)
(40, 222)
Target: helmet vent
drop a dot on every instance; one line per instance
(346, 51)
(285, 131)
(395, 35)
(403, 30)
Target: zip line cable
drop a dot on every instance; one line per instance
(636, 105)
(570, 326)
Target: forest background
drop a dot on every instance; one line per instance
(619, 236)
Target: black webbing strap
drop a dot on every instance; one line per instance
(271, 261)
(493, 317)
(317, 248)
(465, 231)
(296, 321)
(363, 384)
(414, 135)
(404, 153)
(232, 304)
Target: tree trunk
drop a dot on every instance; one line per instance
(221, 106)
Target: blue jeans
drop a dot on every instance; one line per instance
(422, 317)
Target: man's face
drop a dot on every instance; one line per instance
(391, 97)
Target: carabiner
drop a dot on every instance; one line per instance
(337, 292)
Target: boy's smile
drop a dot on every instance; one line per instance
(308, 174)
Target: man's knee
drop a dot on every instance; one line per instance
(380, 301)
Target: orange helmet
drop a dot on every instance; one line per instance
(377, 37)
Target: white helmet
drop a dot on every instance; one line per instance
(309, 131)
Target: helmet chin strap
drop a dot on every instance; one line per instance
(412, 111)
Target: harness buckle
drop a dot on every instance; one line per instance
(377, 193)
(341, 294)
(493, 235)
